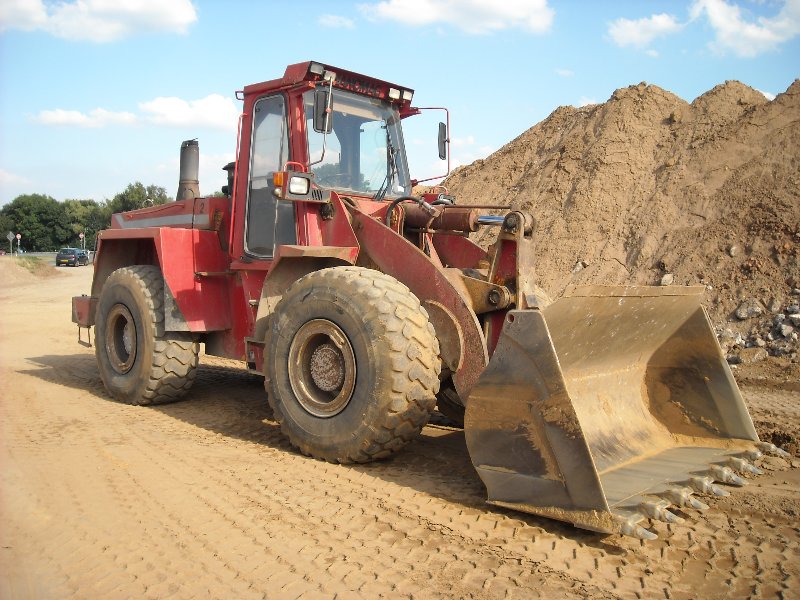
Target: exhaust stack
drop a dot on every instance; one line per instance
(189, 184)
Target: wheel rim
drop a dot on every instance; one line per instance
(322, 368)
(120, 338)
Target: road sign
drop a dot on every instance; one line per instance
(19, 236)
(10, 236)
(80, 235)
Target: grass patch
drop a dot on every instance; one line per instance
(33, 264)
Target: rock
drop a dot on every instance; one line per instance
(774, 305)
(760, 343)
(733, 250)
(579, 266)
(733, 359)
(748, 356)
(795, 319)
(667, 279)
(786, 330)
(774, 463)
(748, 309)
(795, 463)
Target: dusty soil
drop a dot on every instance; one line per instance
(647, 185)
(204, 498)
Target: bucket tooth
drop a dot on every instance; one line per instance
(726, 475)
(772, 449)
(658, 509)
(705, 485)
(683, 497)
(630, 526)
(752, 454)
(741, 465)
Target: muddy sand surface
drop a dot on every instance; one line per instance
(204, 498)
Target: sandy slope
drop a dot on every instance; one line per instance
(646, 185)
(205, 499)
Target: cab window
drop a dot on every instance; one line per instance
(269, 222)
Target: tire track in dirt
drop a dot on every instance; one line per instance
(457, 515)
(206, 499)
(365, 533)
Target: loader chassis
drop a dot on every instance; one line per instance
(365, 307)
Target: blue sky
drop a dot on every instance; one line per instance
(97, 94)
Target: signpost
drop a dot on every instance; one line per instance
(19, 237)
(10, 238)
(83, 240)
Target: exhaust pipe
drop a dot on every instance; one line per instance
(189, 184)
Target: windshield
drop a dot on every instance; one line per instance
(364, 153)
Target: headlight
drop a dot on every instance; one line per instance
(299, 185)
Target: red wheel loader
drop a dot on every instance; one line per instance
(364, 307)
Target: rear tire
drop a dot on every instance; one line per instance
(139, 362)
(353, 365)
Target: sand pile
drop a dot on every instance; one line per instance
(647, 185)
(17, 271)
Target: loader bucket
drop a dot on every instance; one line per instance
(609, 406)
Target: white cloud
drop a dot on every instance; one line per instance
(640, 33)
(467, 149)
(471, 16)
(766, 95)
(214, 111)
(584, 101)
(22, 14)
(651, 52)
(746, 38)
(97, 20)
(9, 178)
(564, 73)
(99, 117)
(335, 22)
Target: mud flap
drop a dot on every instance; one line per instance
(608, 407)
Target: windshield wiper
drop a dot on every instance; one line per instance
(391, 168)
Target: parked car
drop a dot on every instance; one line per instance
(72, 256)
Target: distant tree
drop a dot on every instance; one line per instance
(136, 195)
(46, 224)
(40, 219)
(87, 217)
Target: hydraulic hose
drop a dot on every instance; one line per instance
(423, 204)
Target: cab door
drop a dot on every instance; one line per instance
(268, 221)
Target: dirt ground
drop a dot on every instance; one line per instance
(205, 499)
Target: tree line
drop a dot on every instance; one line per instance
(47, 224)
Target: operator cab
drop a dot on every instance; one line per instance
(315, 131)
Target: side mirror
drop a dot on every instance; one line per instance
(443, 141)
(323, 122)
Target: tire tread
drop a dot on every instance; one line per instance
(413, 348)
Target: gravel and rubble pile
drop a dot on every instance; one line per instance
(770, 330)
(647, 188)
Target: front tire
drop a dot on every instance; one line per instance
(139, 362)
(353, 365)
